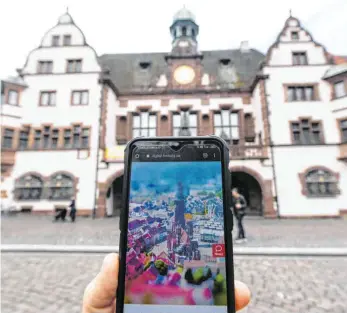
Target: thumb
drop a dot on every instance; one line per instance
(101, 292)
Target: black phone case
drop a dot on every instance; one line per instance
(228, 224)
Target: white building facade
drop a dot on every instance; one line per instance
(68, 115)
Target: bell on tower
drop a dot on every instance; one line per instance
(184, 32)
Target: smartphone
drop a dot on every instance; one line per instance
(175, 243)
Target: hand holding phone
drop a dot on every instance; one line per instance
(176, 247)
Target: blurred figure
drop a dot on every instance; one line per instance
(73, 210)
(60, 215)
(239, 205)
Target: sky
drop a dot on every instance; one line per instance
(113, 26)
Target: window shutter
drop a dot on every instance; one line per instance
(249, 128)
(121, 129)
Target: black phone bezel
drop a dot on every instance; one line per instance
(228, 224)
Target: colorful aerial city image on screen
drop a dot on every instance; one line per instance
(175, 252)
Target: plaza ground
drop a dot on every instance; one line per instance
(55, 283)
(26, 229)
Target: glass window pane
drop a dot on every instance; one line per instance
(193, 131)
(217, 131)
(78, 66)
(136, 121)
(339, 89)
(235, 133)
(176, 132)
(299, 93)
(217, 119)
(76, 98)
(177, 120)
(44, 98)
(136, 133)
(152, 132)
(192, 120)
(144, 119)
(226, 132)
(225, 117)
(52, 98)
(13, 97)
(309, 93)
(85, 96)
(152, 121)
(144, 132)
(306, 135)
(234, 119)
(291, 94)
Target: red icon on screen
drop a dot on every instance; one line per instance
(218, 250)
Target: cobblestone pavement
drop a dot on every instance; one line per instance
(86, 231)
(55, 283)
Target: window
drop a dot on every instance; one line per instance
(55, 40)
(145, 65)
(85, 138)
(343, 128)
(184, 31)
(67, 138)
(76, 136)
(74, 66)
(307, 132)
(23, 139)
(320, 182)
(301, 93)
(13, 97)
(80, 97)
(144, 124)
(37, 139)
(340, 89)
(45, 67)
(299, 58)
(225, 62)
(47, 98)
(7, 140)
(67, 40)
(55, 138)
(294, 35)
(28, 187)
(46, 137)
(185, 124)
(226, 125)
(61, 187)
(193, 32)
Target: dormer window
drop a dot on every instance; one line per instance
(294, 35)
(299, 58)
(225, 62)
(145, 65)
(55, 41)
(67, 40)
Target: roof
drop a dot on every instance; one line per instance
(335, 70)
(184, 14)
(15, 81)
(128, 76)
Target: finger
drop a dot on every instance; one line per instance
(242, 295)
(101, 292)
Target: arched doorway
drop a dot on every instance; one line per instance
(114, 197)
(249, 187)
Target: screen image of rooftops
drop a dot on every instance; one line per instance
(175, 248)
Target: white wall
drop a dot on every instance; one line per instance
(291, 161)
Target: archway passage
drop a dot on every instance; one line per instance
(249, 187)
(114, 203)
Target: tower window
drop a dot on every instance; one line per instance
(225, 62)
(55, 40)
(67, 40)
(184, 31)
(145, 65)
(193, 32)
(294, 35)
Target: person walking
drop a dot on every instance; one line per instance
(73, 210)
(239, 205)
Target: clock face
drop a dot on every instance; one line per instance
(184, 75)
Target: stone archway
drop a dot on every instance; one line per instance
(266, 189)
(103, 188)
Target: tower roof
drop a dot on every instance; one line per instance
(66, 18)
(184, 14)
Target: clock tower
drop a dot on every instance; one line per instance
(184, 59)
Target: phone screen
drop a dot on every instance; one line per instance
(175, 238)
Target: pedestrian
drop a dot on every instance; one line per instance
(73, 210)
(239, 206)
